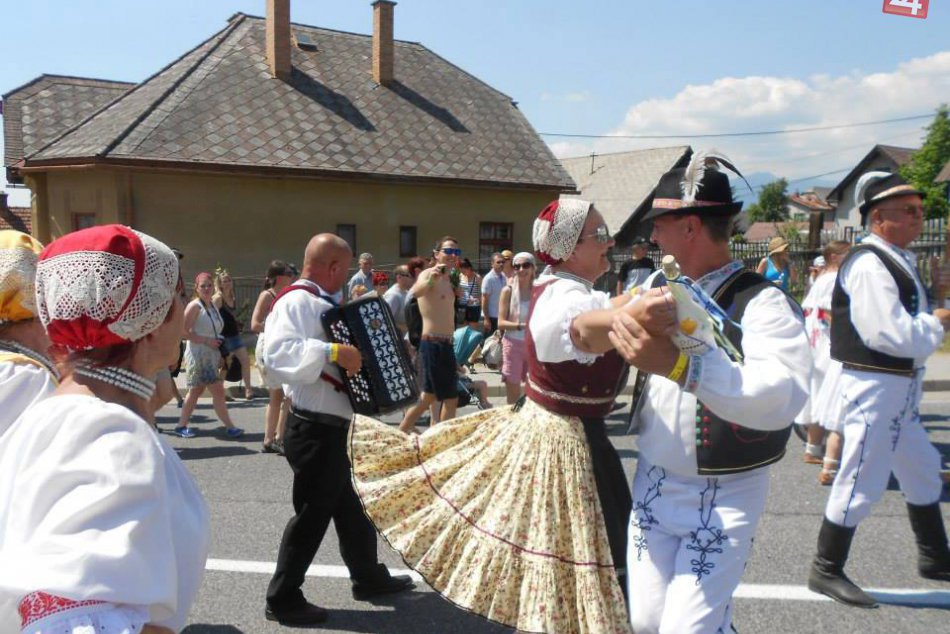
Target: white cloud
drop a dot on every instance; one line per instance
(729, 104)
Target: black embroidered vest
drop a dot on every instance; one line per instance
(846, 344)
(724, 447)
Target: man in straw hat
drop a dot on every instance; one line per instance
(881, 335)
(26, 374)
(710, 426)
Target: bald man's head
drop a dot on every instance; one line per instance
(327, 260)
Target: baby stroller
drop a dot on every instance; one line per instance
(465, 340)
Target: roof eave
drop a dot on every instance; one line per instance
(89, 162)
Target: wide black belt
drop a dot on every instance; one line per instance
(320, 418)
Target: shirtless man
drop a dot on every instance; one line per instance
(433, 289)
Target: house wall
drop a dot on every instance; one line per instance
(245, 222)
(846, 213)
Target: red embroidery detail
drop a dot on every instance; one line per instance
(39, 605)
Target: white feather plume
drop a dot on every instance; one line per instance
(862, 185)
(698, 164)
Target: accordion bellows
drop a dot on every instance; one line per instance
(386, 381)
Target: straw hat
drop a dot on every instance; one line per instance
(777, 245)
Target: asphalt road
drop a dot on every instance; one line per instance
(249, 496)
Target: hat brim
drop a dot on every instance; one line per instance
(867, 206)
(784, 247)
(726, 209)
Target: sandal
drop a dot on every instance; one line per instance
(271, 447)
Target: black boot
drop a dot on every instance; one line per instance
(827, 570)
(933, 556)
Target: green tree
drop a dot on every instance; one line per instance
(772, 205)
(926, 162)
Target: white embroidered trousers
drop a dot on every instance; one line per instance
(882, 434)
(688, 543)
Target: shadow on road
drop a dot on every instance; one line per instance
(205, 628)
(939, 599)
(201, 453)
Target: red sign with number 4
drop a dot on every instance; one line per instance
(909, 8)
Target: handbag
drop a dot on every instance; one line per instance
(491, 351)
(231, 369)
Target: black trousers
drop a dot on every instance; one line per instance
(616, 499)
(322, 491)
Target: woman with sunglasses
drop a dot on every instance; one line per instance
(513, 307)
(104, 530)
(519, 513)
(203, 328)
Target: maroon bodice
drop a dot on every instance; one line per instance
(569, 387)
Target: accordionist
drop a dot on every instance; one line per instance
(297, 352)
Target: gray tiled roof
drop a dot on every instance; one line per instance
(897, 155)
(619, 183)
(219, 105)
(40, 111)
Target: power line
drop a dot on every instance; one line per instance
(733, 134)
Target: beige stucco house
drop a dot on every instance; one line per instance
(268, 132)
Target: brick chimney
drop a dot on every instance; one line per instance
(383, 42)
(277, 27)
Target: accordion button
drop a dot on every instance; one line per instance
(584, 389)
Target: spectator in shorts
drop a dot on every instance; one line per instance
(512, 318)
(492, 284)
(436, 298)
(224, 300)
(278, 277)
(363, 277)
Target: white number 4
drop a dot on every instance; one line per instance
(913, 5)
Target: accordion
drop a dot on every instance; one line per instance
(386, 380)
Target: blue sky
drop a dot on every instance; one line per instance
(598, 67)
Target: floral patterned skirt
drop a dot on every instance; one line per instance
(498, 511)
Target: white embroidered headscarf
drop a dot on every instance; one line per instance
(558, 228)
(104, 286)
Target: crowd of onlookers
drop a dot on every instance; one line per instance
(490, 307)
(481, 311)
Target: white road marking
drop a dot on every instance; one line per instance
(775, 592)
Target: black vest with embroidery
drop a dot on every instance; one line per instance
(846, 344)
(724, 447)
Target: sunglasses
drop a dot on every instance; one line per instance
(524, 266)
(451, 251)
(601, 235)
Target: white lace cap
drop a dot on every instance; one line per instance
(19, 253)
(558, 228)
(104, 286)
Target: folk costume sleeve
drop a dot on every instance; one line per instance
(560, 303)
(294, 353)
(879, 317)
(97, 509)
(771, 386)
(22, 385)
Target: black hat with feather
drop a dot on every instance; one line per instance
(698, 188)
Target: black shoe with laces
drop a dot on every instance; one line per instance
(303, 614)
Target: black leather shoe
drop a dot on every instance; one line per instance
(386, 585)
(303, 614)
